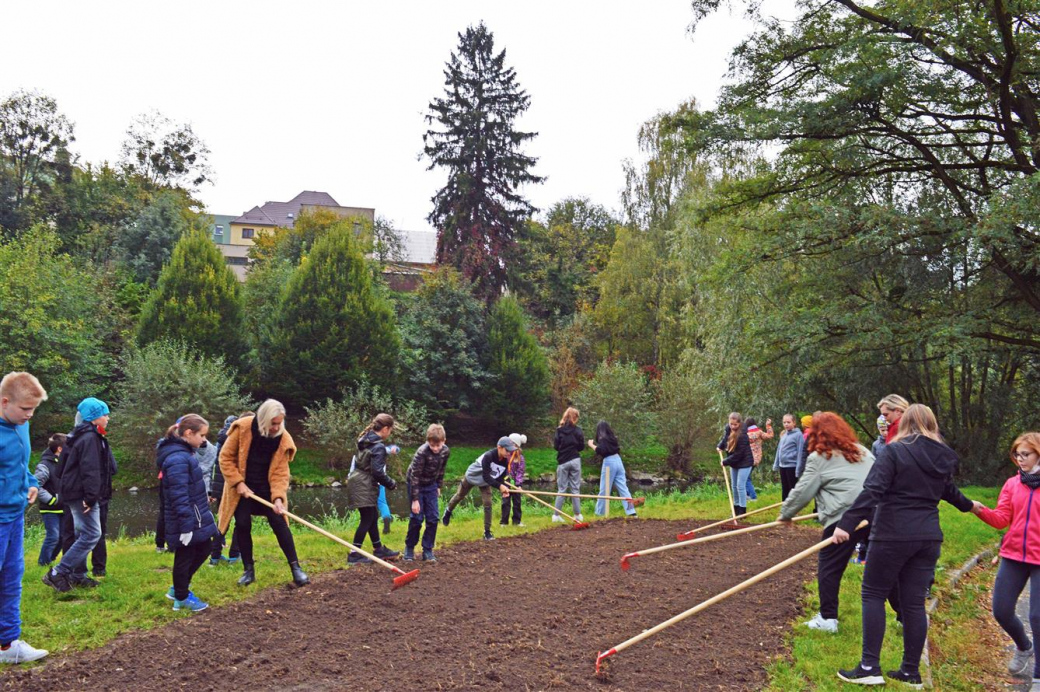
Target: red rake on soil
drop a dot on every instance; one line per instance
(403, 579)
(687, 535)
(603, 655)
(577, 525)
(706, 539)
(634, 501)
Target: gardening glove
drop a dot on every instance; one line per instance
(186, 538)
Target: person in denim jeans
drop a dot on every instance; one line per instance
(47, 474)
(608, 448)
(20, 394)
(84, 480)
(735, 442)
(424, 479)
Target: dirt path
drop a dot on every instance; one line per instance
(525, 613)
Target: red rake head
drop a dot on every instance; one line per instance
(686, 535)
(579, 525)
(624, 560)
(602, 657)
(405, 579)
(639, 502)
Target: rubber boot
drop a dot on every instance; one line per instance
(248, 575)
(299, 577)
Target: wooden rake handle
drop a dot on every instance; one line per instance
(719, 536)
(588, 497)
(729, 490)
(720, 597)
(682, 536)
(515, 489)
(333, 536)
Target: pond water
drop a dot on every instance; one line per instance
(134, 513)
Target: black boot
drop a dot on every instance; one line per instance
(299, 577)
(248, 575)
(741, 510)
(386, 524)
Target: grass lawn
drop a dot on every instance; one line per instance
(132, 597)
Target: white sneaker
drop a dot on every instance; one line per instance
(557, 518)
(20, 652)
(580, 518)
(823, 624)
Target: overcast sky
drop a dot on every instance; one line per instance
(330, 96)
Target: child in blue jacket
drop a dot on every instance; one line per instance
(190, 527)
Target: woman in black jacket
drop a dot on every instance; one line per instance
(568, 442)
(738, 458)
(912, 473)
(363, 486)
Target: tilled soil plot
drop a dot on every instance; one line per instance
(523, 613)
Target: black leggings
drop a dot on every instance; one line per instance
(369, 524)
(1011, 579)
(186, 562)
(244, 513)
(911, 566)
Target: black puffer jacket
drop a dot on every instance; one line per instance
(369, 472)
(905, 485)
(568, 442)
(740, 457)
(87, 466)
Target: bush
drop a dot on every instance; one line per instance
(619, 394)
(517, 364)
(162, 382)
(680, 413)
(336, 425)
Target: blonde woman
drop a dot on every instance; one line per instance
(900, 498)
(892, 408)
(255, 461)
(568, 442)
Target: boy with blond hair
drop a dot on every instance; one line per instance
(20, 394)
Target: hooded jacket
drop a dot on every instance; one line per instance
(1018, 507)
(740, 457)
(15, 479)
(185, 503)
(369, 472)
(568, 442)
(905, 485)
(48, 474)
(87, 466)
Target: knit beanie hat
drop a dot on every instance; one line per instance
(91, 409)
(882, 424)
(806, 421)
(518, 439)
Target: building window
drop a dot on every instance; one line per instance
(247, 233)
(219, 232)
(238, 260)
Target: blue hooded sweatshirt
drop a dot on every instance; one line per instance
(15, 478)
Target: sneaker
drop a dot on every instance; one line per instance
(357, 559)
(857, 561)
(1035, 687)
(84, 582)
(170, 595)
(556, 518)
(427, 556)
(503, 523)
(159, 549)
(912, 680)
(220, 560)
(446, 519)
(580, 518)
(858, 676)
(409, 554)
(191, 603)
(58, 582)
(520, 524)
(1020, 661)
(233, 560)
(823, 624)
(488, 536)
(20, 652)
(385, 553)
(100, 573)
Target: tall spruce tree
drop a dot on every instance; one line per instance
(333, 326)
(196, 301)
(479, 210)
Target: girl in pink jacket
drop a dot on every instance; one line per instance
(1018, 507)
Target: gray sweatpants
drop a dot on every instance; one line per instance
(568, 480)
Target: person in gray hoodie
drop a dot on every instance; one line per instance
(487, 472)
(834, 473)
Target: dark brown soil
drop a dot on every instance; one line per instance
(525, 613)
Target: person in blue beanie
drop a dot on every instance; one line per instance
(20, 394)
(86, 481)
